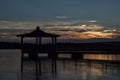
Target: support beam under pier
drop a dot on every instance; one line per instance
(76, 56)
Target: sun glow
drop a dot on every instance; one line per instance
(94, 34)
(67, 30)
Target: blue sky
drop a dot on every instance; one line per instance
(73, 19)
(47, 9)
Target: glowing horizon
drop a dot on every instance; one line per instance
(67, 30)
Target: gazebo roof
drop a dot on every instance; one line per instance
(38, 33)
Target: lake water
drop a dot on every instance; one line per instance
(67, 69)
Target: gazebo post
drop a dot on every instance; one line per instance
(22, 54)
(22, 45)
(51, 52)
(52, 40)
(56, 55)
(55, 40)
(40, 41)
(39, 60)
(37, 41)
(36, 55)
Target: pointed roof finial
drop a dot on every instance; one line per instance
(37, 27)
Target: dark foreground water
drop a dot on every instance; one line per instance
(67, 69)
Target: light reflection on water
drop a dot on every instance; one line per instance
(67, 69)
(102, 56)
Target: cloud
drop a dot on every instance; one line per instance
(19, 25)
(85, 31)
(96, 34)
(92, 21)
(77, 28)
(89, 35)
(117, 31)
(67, 29)
(62, 17)
(9, 29)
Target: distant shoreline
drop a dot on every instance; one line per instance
(97, 46)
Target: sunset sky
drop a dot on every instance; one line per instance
(72, 19)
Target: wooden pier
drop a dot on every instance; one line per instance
(51, 50)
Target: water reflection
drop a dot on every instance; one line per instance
(101, 57)
(66, 69)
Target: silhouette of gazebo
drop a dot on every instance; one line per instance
(35, 49)
(38, 34)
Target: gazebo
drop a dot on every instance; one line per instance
(35, 49)
(38, 34)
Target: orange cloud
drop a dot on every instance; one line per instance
(86, 35)
(65, 29)
(95, 34)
